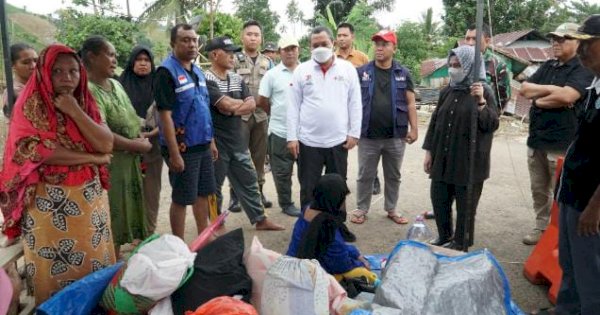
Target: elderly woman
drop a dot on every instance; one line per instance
(137, 80)
(54, 176)
(126, 191)
(317, 232)
(447, 145)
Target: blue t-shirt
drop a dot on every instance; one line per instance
(339, 258)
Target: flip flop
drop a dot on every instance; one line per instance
(398, 219)
(358, 216)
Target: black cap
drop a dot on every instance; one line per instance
(223, 42)
(590, 29)
(270, 46)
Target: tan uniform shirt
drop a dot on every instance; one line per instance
(252, 73)
(356, 57)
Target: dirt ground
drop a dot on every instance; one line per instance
(504, 215)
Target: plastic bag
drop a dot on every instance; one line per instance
(224, 305)
(168, 257)
(81, 296)
(157, 269)
(295, 286)
(418, 281)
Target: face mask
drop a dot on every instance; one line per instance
(457, 75)
(322, 54)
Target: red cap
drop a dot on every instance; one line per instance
(385, 35)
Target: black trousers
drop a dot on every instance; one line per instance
(442, 197)
(310, 167)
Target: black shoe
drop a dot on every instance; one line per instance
(440, 242)
(346, 234)
(456, 246)
(234, 206)
(265, 201)
(291, 210)
(376, 186)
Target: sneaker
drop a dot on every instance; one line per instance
(533, 237)
(292, 211)
(234, 206)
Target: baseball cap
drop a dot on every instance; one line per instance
(564, 29)
(270, 46)
(385, 35)
(222, 42)
(286, 42)
(590, 29)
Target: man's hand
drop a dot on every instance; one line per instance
(589, 221)
(477, 92)
(176, 162)
(67, 104)
(213, 150)
(427, 162)
(351, 142)
(412, 136)
(294, 148)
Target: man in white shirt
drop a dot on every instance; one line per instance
(273, 97)
(324, 115)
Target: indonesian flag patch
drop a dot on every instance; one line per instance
(182, 79)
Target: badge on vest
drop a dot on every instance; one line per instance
(399, 77)
(182, 79)
(366, 77)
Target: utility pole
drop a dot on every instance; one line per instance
(7, 63)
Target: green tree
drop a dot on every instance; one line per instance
(224, 25)
(74, 27)
(341, 9)
(506, 15)
(582, 9)
(365, 25)
(175, 11)
(412, 47)
(259, 11)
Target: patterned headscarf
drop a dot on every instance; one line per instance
(36, 129)
(466, 57)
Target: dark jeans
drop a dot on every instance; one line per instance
(579, 258)
(282, 166)
(310, 167)
(442, 197)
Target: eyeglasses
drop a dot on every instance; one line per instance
(558, 40)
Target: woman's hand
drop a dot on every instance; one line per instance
(477, 92)
(427, 162)
(143, 145)
(102, 159)
(67, 104)
(364, 261)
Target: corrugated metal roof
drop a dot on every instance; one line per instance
(430, 65)
(532, 54)
(505, 39)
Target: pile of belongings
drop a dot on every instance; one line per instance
(222, 277)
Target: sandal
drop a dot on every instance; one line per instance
(398, 219)
(358, 216)
(427, 215)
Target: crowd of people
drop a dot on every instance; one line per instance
(82, 166)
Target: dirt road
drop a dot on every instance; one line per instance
(504, 213)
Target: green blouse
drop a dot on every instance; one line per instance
(116, 109)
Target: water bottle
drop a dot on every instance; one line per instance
(419, 231)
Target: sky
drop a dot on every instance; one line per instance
(405, 10)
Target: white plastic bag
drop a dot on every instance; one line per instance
(158, 268)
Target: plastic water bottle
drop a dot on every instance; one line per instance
(419, 231)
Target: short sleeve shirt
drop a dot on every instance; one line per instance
(275, 86)
(228, 129)
(164, 88)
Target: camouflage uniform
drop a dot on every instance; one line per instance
(498, 76)
(256, 123)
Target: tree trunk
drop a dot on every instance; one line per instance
(128, 10)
